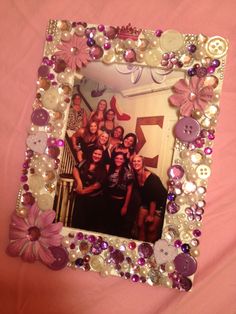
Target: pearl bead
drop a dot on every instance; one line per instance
(152, 57)
(109, 56)
(79, 30)
(22, 212)
(180, 200)
(194, 252)
(72, 256)
(139, 56)
(169, 267)
(129, 43)
(65, 36)
(65, 242)
(197, 114)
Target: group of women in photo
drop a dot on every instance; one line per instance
(115, 193)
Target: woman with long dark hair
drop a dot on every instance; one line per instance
(99, 114)
(84, 140)
(90, 176)
(108, 124)
(153, 199)
(127, 147)
(119, 189)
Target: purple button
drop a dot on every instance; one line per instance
(40, 117)
(185, 264)
(187, 129)
(61, 256)
(185, 283)
(43, 71)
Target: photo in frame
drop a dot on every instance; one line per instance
(114, 194)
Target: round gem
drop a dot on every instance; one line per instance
(43, 71)
(53, 151)
(130, 55)
(201, 71)
(117, 256)
(96, 249)
(79, 262)
(208, 150)
(197, 233)
(135, 278)
(191, 71)
(185, 247)
(59, 66)
(107, 46)
(96, 52)
(185, 283)
(192, 48)
(158, 32)
(145, 250)
(172, 208)
(175, 172)
(90, 42)
(40, 117)
(132, 245)
(110, 32)
(215, 63)
(141, 261)
(61, 257)
(101, 27)
(185, 264)
(187, 129)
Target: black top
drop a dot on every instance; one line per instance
(90, 177)
(117, 188)
(87, 148)
(153, 191)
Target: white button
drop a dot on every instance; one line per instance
(171, 40)
(216, 47)
(203, 171)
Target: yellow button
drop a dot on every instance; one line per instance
(171, 40)
(216, 47)
(203, 171)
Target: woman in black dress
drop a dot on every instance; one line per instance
(153, 198)
(90, 176)
(119, 189)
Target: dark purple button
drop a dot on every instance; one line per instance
(185, 283)
(61, 256)
(187, 129)
(145, 250)
(185, 264)
(43, 71)
(40, 117)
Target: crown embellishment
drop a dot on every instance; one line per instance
(128, 32)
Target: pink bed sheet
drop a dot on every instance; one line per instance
(33, 288)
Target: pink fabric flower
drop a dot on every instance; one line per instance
(32, 236)
(74, 52)
(191, 96)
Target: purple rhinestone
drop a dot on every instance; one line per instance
(129, 55)
(25, 165)
(197, 233)
(141, 261)
(104, 245)
(211, 136)
(135, 278)
(107, 46)
(79, 262)
(178, 243)
(172, 208)
(90, 42)
(50, 62)
(23, 178)
(60, 143)
(96, 249)
(128, 259)
(72, 246)
(91, 238)
(158, 32)
(210, 69)
(73, 24)
(101, 27)
(110, 248)
(49, 38)
(185, 247)
(204, 133)
(191, 71)
(122, 274)
(96, 52)
(79, 235)
(145, 250)
(208, 150)
(117, 256)
(51, 76)
(43, 70)
(171, 196)
(45, 60)
(192, 48)
(26, 187)
(215, 63)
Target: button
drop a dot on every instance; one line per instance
(185, 283)
(51, 99)
(43, 71)
(97, 263)
(45, 201)
(164, 252)
(171, 40)
(40, 117)
(203, 171)
(185, 264)
(61, 256)
(37, 142)
(187, 129)
(216, 47)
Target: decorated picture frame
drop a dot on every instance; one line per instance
(119, 152)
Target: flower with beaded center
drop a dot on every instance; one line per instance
(74, 52)
(32, 236)
(191, 96)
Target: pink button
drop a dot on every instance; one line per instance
(40, 117)
(187, 129)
